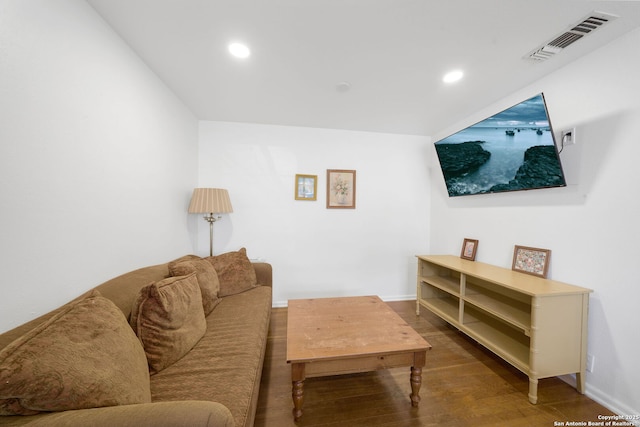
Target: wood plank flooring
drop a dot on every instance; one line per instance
(463, 385)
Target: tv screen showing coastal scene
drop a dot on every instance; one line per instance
(510, 151)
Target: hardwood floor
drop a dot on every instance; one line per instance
(463, 385)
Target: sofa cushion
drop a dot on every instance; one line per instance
(85, 356)
(235, 272)
(169, 319)
(186, 413)
(207, 280)
(225, 366)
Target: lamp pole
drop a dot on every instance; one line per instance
(211, 218)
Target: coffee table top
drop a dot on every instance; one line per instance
(337, 328)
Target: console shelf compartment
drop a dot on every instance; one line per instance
(446, 284)
(511, 310)
(499, 337)
(445, 305)
(537, 325)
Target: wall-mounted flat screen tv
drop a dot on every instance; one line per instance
(511, 151)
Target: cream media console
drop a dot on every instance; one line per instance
(537, 325)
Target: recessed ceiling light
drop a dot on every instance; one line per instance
(239, 50)
(452, 76)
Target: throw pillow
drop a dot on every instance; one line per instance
(169, 320)
(207, 280)
(182, 259)
(86, 356)
(235, 272)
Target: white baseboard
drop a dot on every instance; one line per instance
(281, 304)
(399, 298)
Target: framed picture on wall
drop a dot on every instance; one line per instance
(341, 189)
(306, 187)
(469, 249)
(533, 261)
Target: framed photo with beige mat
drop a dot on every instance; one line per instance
(533, 261)
(341, 189)
(469, 249)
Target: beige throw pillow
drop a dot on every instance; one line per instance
(189, 257)
(207, 280)
(169, 320)
(86, 356)
(235, 272)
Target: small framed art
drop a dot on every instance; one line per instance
(306, 187)
(341, 189)
(533, 261)
(469, 249)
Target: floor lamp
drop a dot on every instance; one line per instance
(210, 201)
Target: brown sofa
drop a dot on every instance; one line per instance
(215, 383)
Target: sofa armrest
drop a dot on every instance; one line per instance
(264, 273)
(159, 414)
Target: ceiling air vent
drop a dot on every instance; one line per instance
(577, 31)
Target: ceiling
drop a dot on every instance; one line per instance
(393, 54)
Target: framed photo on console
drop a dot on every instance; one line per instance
(533, 261)
(469, 249)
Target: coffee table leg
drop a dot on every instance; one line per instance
(419, 359)
(297, 390)
(416, 382)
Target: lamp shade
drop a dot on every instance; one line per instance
(210, 200)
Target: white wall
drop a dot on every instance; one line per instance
(97, 158)
(591, 226)
(316, 251)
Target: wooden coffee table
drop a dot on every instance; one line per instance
(332, 336)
